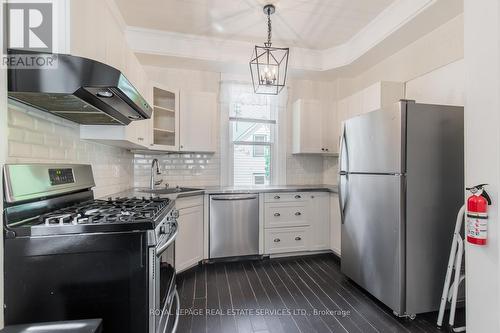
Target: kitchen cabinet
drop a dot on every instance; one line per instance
(319, 207)
(377, 96)
(309, 134)
(198, 121)
(184, 121)
(335, 224)
(296, 221)
(133, 136)
(165, 119)
(189, 241)
(283, 240)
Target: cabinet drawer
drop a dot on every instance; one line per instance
(187, 202)
(282, 240)
(285, 197)
(285, 215)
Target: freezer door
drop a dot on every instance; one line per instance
(372, 235)
(373, 142)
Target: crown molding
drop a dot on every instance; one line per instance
(237, 53)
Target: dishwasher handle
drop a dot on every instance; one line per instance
(233, 197)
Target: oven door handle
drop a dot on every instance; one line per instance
(160, 249)
(177, 310)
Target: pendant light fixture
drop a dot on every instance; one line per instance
(269, 64)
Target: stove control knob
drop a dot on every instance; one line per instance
(175, 213)
(162, 230)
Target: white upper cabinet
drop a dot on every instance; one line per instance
(184, 120)
(312, 128)
(165, 119)
(375, 97)
(198, 122)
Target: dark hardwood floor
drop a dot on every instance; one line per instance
(304, 294)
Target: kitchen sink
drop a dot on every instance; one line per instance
(170, 190)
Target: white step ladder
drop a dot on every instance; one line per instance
(450, 293)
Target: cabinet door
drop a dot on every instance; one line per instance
(164, 123)
(307, 127)
(319, 218)
(189, 241)
(198, 121)
(330, 132)
(335, 223)
(138, 132)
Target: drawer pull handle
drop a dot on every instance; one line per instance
(298, 196)
(277, 197)
(298, 214)
(277, 240)
(277, 214)
(298, 238)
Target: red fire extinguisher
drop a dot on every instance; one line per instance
(477, 215)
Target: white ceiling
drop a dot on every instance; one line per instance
(311, 24)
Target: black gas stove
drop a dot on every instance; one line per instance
(112, 259)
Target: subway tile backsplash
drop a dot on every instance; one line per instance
(179, 169)
(38, 137)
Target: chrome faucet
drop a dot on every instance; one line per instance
(155, 169)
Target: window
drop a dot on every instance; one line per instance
(253, 156)
(259, 151)
(259, 179)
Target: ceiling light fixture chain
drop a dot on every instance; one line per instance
(269, 28)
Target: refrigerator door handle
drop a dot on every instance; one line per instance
(343, 151)
(342, 196)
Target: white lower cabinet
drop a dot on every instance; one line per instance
(189, 241)
(296, 222)
(282, 240)
(319, 207)
(335, 224)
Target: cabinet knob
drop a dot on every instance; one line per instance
(298, 238)
(277, 214)
(298, 196)
(298, 214)
(277, 240)
(276, 197)
(140, 139)
(182, 146)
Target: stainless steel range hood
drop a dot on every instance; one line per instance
(79, 89)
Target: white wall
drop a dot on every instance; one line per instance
(444, 85)
(442, 46)
(482, 126)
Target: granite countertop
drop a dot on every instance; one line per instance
(270, 188)
(139, 192)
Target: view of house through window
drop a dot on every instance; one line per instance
(252, 131)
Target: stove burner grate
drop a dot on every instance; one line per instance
(118, 210)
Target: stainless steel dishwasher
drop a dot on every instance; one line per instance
(234, 225)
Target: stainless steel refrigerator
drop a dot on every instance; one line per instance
(401, 184)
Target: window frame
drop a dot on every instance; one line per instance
(259, 174)
(270, 144)
(255, 146)
(230, 86)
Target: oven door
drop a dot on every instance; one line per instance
(165, 293)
